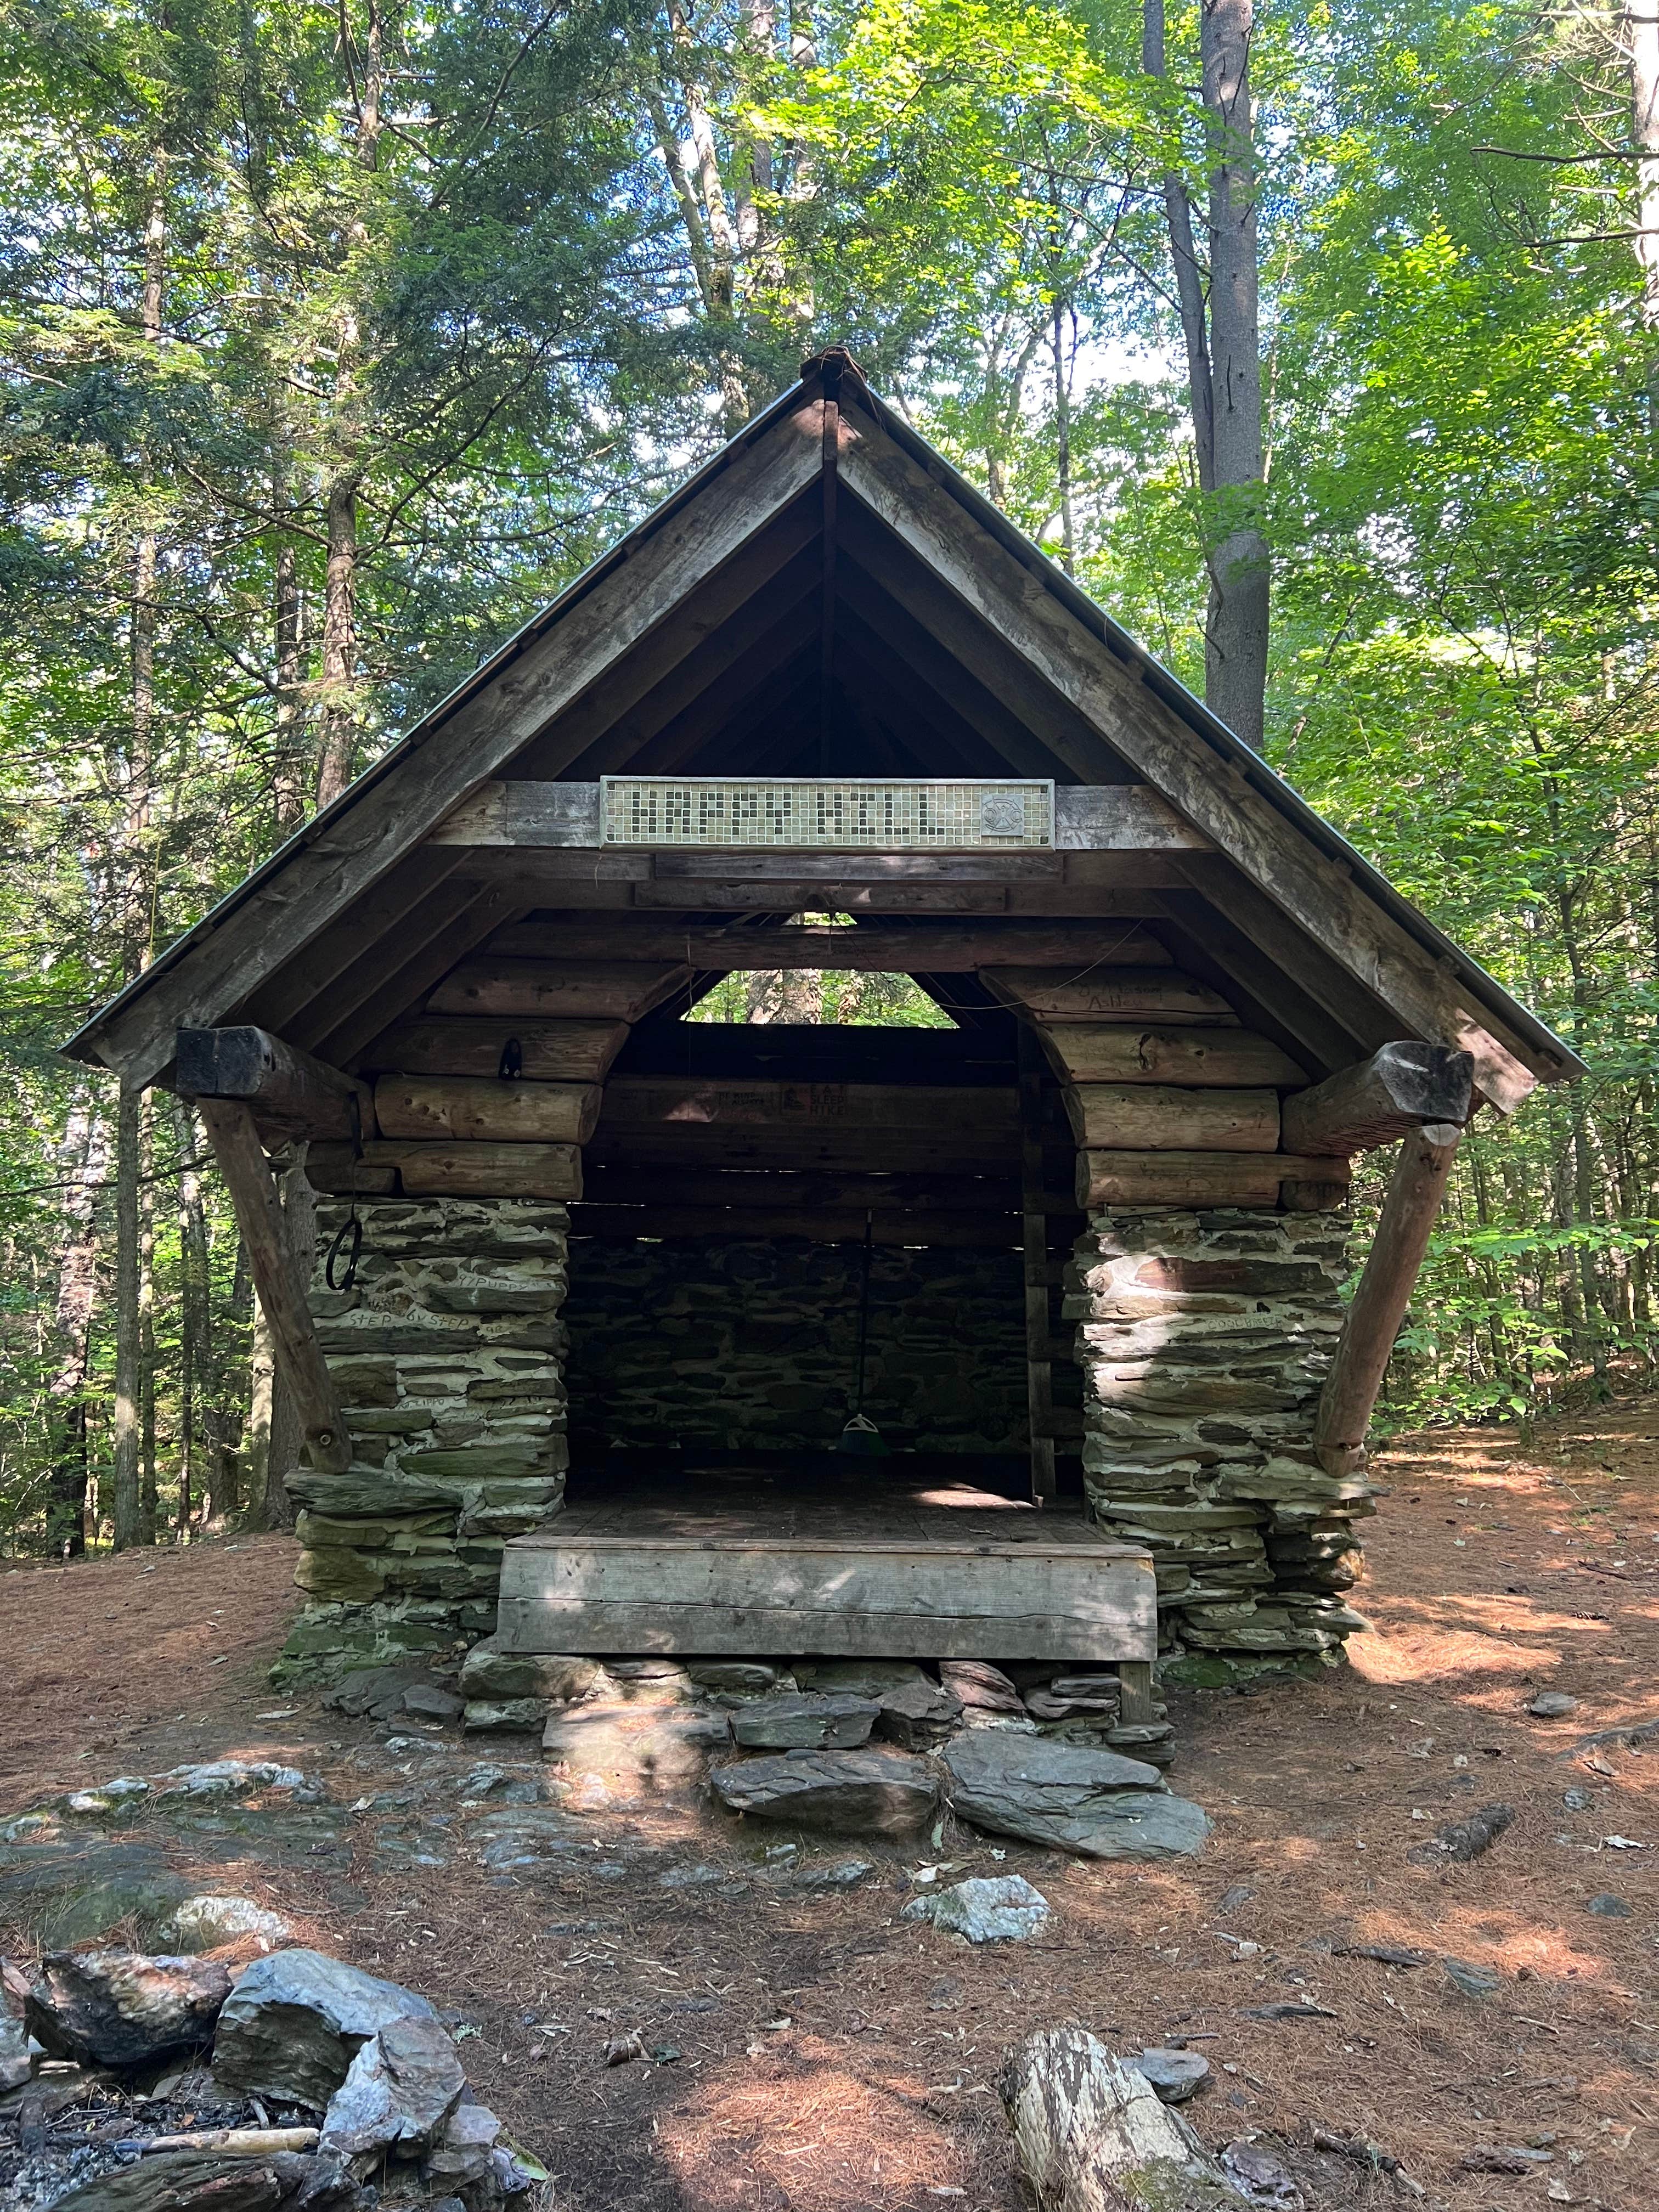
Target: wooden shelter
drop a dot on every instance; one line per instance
(826, 708)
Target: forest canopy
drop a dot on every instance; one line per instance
(1319, 341)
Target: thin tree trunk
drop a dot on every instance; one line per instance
(1641, 33)
(1236, 656)
(1189, 278)
(86, 1152)
(287, 618)
(124, 1444)
(339, 668)
(720, 298)
(1063, 441)
(146, 1494)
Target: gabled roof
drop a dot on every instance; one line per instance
(695, 646)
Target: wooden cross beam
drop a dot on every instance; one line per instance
(283, 1087)
(1403, 1087)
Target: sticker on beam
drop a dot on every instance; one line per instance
(778, 813)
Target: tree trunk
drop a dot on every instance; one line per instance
(288, 616)
(1641, 32)
(85, 1145)
(1189, 278)
(147, 1495)
(1236, 656)
(339, 640)
(125, 1499)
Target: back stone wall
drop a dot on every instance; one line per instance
(752, 1346)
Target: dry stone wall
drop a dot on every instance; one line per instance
(751, 1345)
(449, 1353)
(1204, 1338)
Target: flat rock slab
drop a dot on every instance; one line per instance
(850, 1793)
(918, 1716)
(805, 1722)
(858, 1677)
(1096, 1803)
(1004, 1909)
(491, 1675)
(640, 1747)
(124, 2008)
(295, 2022)
(986, 1688)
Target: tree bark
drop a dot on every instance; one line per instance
(274, 1435)
(125, 1496)
(339, 668)
(147, 1490)
(1235, 655)
(85, 1152)
(1189, 278)
(1641, 33)
(287, 619)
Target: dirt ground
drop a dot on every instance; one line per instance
(829, 2058)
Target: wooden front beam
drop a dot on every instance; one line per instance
(284, 1087)
(1403, 1087)
(1382, 1296)
(1109, 1179)
(1116, 817)
(964, 1230)
(242, 1162)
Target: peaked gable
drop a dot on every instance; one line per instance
(826, 595)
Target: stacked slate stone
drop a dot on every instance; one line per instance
(449, 1351)
(1204, 1338)
(751, 1345)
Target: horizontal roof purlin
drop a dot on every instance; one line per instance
(1557, 1059)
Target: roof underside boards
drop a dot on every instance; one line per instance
(958, 649)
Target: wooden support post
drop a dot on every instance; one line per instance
(1034, 1225)
(241, 1158)
(1134, 1678)
(1415, 1189)
(285, 1088)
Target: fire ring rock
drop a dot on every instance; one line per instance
(122, 2009)
(295, 2022)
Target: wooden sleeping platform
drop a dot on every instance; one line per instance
(866, 1568)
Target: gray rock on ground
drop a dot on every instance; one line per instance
(430, 1701)
(400, 2089)
(1096, 1803)
(850, 1793)
(201, 1923)
(1552, 1705)
(1093, 2136)
(1002, 1909)
(1176, 2074)
(15, 2064)
(374, 1692)
(124, 2008)
(918, 1716)
(295, 2022)
(805, 1721)
(489, 1674)
(505, 1716)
